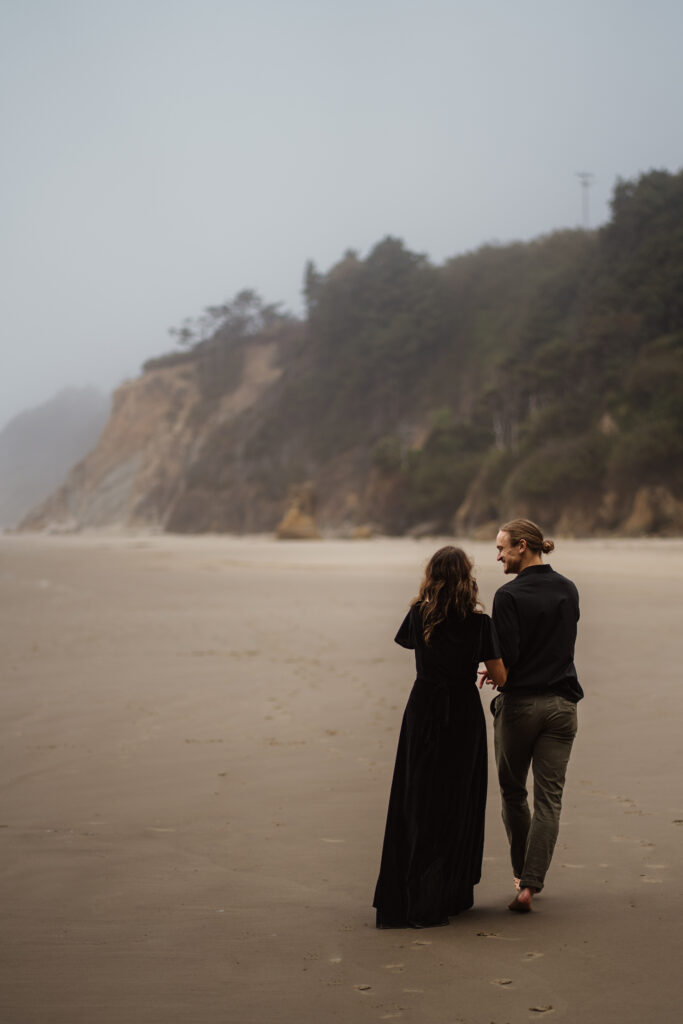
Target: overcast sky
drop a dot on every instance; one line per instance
(160, 155)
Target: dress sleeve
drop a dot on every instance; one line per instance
(506, 624)
(406, 634)
(489, 645)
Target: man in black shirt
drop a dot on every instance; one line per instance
(535, 616)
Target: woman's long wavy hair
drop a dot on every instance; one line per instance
(448, 585)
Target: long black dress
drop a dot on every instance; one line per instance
(434, 837)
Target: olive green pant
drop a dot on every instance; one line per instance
(533, 731)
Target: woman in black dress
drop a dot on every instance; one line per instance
(434, 837)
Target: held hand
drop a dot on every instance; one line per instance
(486, 678)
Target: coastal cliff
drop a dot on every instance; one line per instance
(541, 379)
(139, 473)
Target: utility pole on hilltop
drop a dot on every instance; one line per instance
(586, 179)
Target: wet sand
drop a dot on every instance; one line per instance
(198, 740)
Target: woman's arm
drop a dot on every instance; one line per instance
(496, 673)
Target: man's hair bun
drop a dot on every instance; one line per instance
(525, 529)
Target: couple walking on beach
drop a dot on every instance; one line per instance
(434, 837)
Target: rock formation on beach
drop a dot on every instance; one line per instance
(541, 378)
(299, 520)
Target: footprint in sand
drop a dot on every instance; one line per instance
(422, 942)
(394, 968)
(502, 981)
(541, 1009)
(363, 988)
(532, 956)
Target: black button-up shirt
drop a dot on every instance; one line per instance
(535, 617)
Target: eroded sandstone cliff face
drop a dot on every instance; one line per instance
(140, 470)
(138, 463)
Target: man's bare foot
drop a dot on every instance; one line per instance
(522, 901)
(517, 884)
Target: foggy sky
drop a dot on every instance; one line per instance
(160, 155)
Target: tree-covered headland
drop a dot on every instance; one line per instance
(541, 378)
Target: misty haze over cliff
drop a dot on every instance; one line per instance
(39, 446)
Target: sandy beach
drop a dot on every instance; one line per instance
(198, 737)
